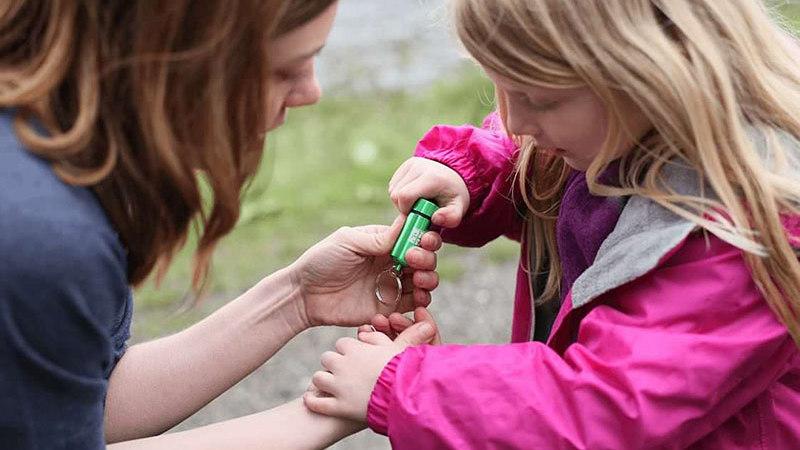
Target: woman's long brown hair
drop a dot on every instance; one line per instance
(140, 100)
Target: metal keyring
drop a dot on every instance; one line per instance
(378, 294)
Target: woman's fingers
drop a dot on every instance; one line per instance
(421, 259)
(425, 280)
(431, 241)
(399, 322)
(381, 323)
(421, 298)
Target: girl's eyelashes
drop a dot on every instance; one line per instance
(540, 106)
(546, 106)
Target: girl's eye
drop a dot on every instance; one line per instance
(547, 106)
(534, 105)
(539, 106)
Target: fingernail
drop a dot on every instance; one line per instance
(425, 328)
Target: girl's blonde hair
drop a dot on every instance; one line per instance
(138, 100)
(717, 79)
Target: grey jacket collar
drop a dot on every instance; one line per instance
(646, 232)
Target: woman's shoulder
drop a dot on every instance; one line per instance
(58, 250)
(39, 213)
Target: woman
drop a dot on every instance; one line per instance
(109, 112)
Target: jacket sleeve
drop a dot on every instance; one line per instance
(485, 159)
(659, 363)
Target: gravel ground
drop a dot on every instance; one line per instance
(474, 309)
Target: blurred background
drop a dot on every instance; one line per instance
(390, 71)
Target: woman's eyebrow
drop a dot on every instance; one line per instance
(305, 56)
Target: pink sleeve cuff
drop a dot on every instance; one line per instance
(381, 398)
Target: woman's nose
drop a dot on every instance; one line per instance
(305, 93)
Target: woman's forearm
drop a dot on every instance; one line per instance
(289, 426)
(158, 384)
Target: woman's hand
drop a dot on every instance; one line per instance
(336, 278)
(344, 388)
(420, 177)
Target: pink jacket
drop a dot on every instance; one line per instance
(664, 342)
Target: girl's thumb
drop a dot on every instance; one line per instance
(448, 216)
(417, 334)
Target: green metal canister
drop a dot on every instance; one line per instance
(416, 224)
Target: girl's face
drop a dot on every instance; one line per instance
(293, 81)
(571, 123)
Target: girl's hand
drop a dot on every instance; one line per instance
(420, 177)
(396, 323)
(344, 388)
(336, 277)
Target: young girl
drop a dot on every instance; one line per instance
(658, 161)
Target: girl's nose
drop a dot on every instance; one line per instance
(522, 125)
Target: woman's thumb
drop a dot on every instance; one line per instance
(417, 334)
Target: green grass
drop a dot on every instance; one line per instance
(329, 166)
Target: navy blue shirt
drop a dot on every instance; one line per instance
(65, 305)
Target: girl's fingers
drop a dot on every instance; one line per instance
(407, 190)
(414, 188)
(343, 345)
(400, 174)
(329, 360)
(324, 381)
(449, 216)
(422, 314)
(321, 405)
(374, 338)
